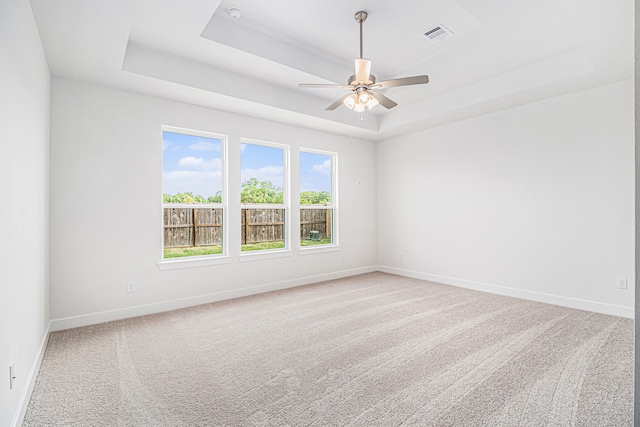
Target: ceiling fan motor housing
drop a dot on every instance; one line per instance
(352, 80)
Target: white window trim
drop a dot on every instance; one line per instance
(316, 206)
(286, 204)
(198, 261)
(335, 245)
(308, 250)
(193, 261)
(193, 205)
(266, 254)
(262, 206)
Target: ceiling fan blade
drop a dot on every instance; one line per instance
(404, 81)
(338, 102)
(325, 86)
(363, 71)
(383, 100)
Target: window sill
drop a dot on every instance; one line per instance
(260, 255)
(309, 250)
(190, 262)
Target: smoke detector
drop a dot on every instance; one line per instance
(235, 12)
(437, 33)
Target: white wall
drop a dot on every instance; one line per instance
(106, 214)
(535, 201)
(24, 158)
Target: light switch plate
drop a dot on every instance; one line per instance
(622, 283)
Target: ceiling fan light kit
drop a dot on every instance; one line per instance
(362, 83)
(359, 101)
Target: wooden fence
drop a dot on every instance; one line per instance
(262, 225)
(187, 227)
(315, 219)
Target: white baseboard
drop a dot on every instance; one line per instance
(598, 307)
(31, 381)
(111, 315)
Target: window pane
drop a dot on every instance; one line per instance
(262, 229)
(263, 183)
(316, 226)
(191, 174)
(262, 172)
(191, 169)
(315, 179)
(316, 186)
(192, 231)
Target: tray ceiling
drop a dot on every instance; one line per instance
(501, 54)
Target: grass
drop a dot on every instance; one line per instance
(192, 251)
(278, 244)
(323, 241)
(214, 250)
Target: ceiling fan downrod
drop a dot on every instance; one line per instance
(360, 18)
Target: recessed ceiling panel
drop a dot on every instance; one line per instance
(308, 36)
(501, 53)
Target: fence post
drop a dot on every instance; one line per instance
(195, 227)
(328, 225)
(246, 226)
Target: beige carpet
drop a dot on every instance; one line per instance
(371, 350)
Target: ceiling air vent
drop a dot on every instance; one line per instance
(437, 34)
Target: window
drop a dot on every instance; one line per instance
(264, 196)
(193, 193)
(317, 198)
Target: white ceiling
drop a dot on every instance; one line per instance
(502, 53)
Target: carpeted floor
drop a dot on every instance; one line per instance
(370, 350)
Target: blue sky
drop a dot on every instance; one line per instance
(194, 164)
(262, 162)
(191, 164)
(315, 172)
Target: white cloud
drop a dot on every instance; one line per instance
(270, 170)
(203, 145)
(190, 162)
(198, 163)
(204, 183)
(324, 168)
(212, 165)
(165, 144)
(180, 175)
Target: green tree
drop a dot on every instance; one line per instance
(315, 198)
(260, 192)
(215, 199)
(188, 197)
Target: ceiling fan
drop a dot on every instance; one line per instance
(362, 84)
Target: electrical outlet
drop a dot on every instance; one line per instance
(12, 375)
(622, 283)
(401, 257)
(131, 287)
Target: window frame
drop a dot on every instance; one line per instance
(199, 260)
(286, 203)
(335, 244)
